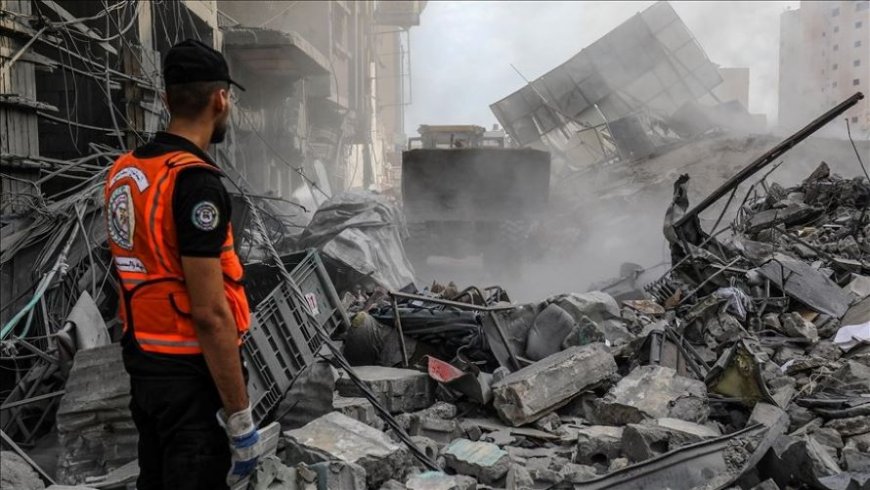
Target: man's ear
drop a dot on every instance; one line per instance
(221, 100)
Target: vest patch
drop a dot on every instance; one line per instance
(134, 173)
(205, 216)
(130, 264)
(122, 219)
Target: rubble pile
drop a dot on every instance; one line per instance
(747, 365)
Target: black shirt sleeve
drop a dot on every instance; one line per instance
(201, 207)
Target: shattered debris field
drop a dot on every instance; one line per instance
(684, 306)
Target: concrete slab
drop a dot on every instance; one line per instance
(650, 392)
(95, 429)
(399, 390)
(536, 390)
(484, 461)
(358, 408)
(648, 440)
(436, 480)
(598, 444)
(337, 436)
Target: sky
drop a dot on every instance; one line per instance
(461, 53)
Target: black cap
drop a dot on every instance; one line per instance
(194, 61)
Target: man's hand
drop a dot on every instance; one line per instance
(245, 445)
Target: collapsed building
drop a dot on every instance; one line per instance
(743, 363)
(642, 86)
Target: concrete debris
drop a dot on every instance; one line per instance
(651, 392)
(793, 460)
(399, 390)
(94, 425)
(435, 480)
(532, 392)
(16, 473)
(768, 484)
(357, 408)
(644, 441)
(741, 360)
(850, 426)
(336, 436)
(484, 461)
(598, 444)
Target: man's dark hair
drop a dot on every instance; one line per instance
(188, 100)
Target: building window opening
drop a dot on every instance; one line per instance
(856, 81)
(835, 12)
(856, 63)
(857, 44)
(836, 47)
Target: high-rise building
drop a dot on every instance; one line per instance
(823, 59)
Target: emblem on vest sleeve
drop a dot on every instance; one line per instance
(122, 219)
(205, 216)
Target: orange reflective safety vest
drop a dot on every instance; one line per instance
(144, 246)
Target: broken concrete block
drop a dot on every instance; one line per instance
(642, 441)
(550, 327)
(647, 440)
(15, 473)
(796, 461)
(768, 484)
(437, 422)
(596, 305)
(653, 392)
(336, 436)
(829, 437)
(794, 325)
(359, 409)
(427, 445)
(331, 475)
(518, 478)
(393, 485)
(536, 390)
(861, 442)
(436, 480)
(598, 444)
(310, 396)
(399, 390)
(94, 426)
(617, 464)
(855, 460)
(499, 438)
(548, 423)
(484, 461)
(602, 317)
(690, 429)
(850, 426)
(577, 473)
(845, 481)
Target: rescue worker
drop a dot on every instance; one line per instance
(183, 305)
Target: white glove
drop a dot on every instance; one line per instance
(245, 446)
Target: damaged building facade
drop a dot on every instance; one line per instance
(327, 84)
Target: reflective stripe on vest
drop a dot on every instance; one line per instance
(144, 246)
